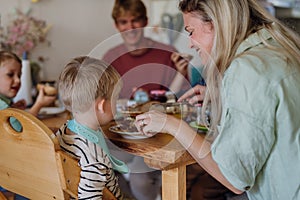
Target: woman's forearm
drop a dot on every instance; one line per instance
(200, 149)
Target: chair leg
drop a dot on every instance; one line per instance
(7, 195)
(107, 195)
(2, 197)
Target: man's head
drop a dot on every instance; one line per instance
(130, 18)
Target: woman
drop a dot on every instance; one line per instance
(252, 71)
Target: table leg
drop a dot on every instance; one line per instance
(174, 183)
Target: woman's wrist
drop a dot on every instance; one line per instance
(171, 126)
(181, 131)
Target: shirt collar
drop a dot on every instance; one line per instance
(253, 40)
(5, 99)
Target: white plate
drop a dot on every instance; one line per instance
(51, 110)
(127, 135)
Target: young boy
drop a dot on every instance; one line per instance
(89, 89)
(10, 83)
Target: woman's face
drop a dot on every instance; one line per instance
(10, 73)
(201, 35)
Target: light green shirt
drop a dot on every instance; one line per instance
(4, 103)
(258, 146)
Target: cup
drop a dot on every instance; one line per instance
(198, 114)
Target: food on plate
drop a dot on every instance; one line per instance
(126, 125)
(131, 113)
(48, 89)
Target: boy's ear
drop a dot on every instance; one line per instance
(100, 105)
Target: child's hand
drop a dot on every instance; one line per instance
(41, 101)
(44, 100)
(21, 104)
(48, 89)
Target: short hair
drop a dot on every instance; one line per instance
(135, 7)
(7, 55)
(83, 80)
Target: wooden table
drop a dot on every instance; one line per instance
(161, 152)
(54, 122)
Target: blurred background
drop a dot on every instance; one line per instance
(76, 27)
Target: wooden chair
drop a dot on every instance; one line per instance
(31, 162)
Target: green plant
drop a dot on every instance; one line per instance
(22, 34)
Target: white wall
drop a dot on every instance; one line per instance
(79, 26)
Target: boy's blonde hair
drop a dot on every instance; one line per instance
(83, 80)
(6, 55)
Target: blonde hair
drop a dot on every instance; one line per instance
(7, 55)
(83, 80)
(135, 7)
(233, 22)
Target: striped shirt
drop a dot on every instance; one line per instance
(96, 168)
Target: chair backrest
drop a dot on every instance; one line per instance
(31, 162)
(28, 164)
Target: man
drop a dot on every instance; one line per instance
(141, 61)
(148, 65)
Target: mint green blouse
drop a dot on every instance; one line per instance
(258, 146)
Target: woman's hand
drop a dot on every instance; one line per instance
(153, 122)
(194, 95)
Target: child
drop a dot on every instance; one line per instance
(10, 73)
(89, 89)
